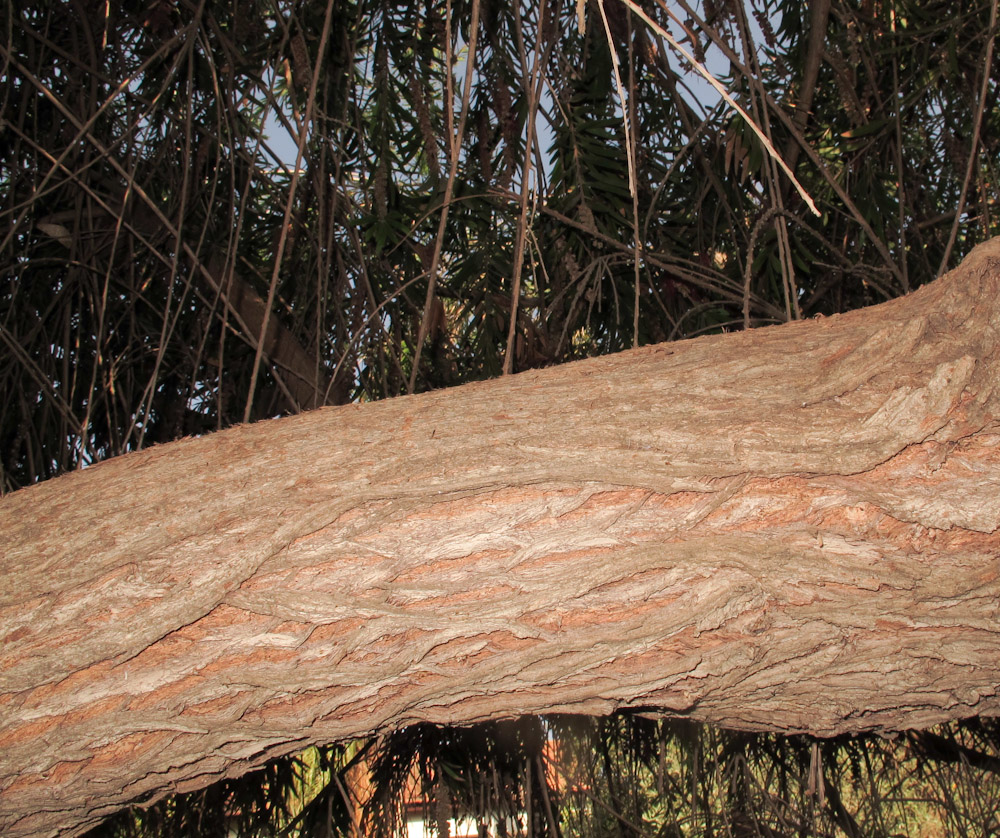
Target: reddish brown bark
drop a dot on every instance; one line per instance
(793, 529)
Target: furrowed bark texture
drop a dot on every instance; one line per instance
(793, 529)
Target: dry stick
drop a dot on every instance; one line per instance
(531, 91)
(223, 288)
(712, 80)
(522, 219)
(455, 141)
(166, 330)
(621, 95)
(780, 225)
(748, 269)
(841, 193)
(68, 417)
(543, 786)
(376, 308)
(629, 158)
(688, 117)
(149, 391)
(286, 220)
(696, 278)
(633, 150)
(99, 339)
(900, 182)
(974, 151)
(331, 228)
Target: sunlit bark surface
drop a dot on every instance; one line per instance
(793, 529)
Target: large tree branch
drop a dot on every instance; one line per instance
(791, 529)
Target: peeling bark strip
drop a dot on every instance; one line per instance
(792, 529)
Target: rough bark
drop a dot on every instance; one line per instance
(792, 529)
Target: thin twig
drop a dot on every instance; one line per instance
(774, 187)
(626, 106)
(984, 90)
(526, 169)
(897, 99)
(286, 220)
(455, 141)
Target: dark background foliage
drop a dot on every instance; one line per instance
(215, 211)
(166, 269)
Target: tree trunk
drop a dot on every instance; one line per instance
(791, 529)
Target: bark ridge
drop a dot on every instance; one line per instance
(791, 529)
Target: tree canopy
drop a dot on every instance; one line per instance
(461, 204)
